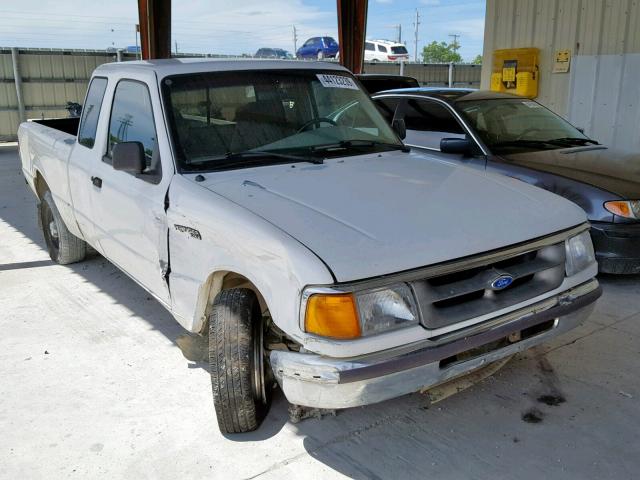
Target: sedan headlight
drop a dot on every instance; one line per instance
(624, 208)
(352, 315)
(580, 254)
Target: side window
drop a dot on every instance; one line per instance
(132, 120)
(429, 122)
(387, 107)
(369, 46)
(382, 48)
(91, 112)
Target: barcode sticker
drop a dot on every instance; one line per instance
(336, 81)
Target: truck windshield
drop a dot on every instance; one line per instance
(217, 116)
(517, 125)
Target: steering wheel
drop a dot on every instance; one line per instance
(316, 121)
(526, 132)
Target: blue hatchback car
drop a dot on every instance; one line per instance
(318, 48)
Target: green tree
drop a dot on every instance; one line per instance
(477, 60)
(442, 52)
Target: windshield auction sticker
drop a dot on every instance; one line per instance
(336, 81)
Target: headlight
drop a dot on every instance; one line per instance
(352, 315)
(580, 253)
(624, 208)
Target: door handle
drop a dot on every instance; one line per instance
(97, 181)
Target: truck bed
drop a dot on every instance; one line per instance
(66, 125)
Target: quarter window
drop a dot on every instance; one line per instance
(382, 48)
(91, 112)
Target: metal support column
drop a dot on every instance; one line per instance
(155, 28)
(352, 25)
(17, 78)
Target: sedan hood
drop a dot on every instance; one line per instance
(377, 214)
(615, 172)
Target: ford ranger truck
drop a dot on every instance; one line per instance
(267, 205)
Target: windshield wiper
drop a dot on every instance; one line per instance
(344, 144)
(572, 141)
(255, 157)
(525, 143)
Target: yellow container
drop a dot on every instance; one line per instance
(496, 82)
(526, 85)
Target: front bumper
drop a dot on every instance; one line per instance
(617, 247)
(322, 382)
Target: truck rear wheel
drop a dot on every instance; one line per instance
(64, 247)
(239, 371)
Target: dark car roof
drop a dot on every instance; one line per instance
(449, 94)
(376, 82)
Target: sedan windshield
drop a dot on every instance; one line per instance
(220, 120)
(514, 125)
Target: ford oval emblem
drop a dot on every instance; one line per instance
(502, 282)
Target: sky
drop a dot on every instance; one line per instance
(235, 27)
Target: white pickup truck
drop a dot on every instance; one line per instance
(268, 205)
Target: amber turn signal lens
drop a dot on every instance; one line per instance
(622, 209)
(332, 315)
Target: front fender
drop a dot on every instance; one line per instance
(208, 233)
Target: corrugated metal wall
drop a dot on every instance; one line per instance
(602, 90)
(432, 74)
(50, 79)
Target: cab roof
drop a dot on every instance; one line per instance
(179, 66)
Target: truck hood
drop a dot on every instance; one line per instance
(610, 170)
(377, 214)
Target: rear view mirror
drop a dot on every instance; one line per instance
(460, 146)
(399, 127)
(128, 157)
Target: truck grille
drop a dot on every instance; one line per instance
(455, 297)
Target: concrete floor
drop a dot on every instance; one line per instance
(93, 383)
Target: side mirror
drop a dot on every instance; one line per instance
(400, 127)
(128, 157)
(460, 146)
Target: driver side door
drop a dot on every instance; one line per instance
(128, 208)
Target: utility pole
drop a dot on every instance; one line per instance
(399, 27)
(136, 34)
(455, 43)
(295, 40)
(176, 47)
(416, 24)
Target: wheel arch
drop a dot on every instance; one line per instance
(215, 283)
(40, 184)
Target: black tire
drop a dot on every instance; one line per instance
(64, 247)
(239, 372)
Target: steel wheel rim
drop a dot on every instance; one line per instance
(259, 388)
(51, 232)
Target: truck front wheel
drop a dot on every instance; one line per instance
(64, 247)
(239, 371)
